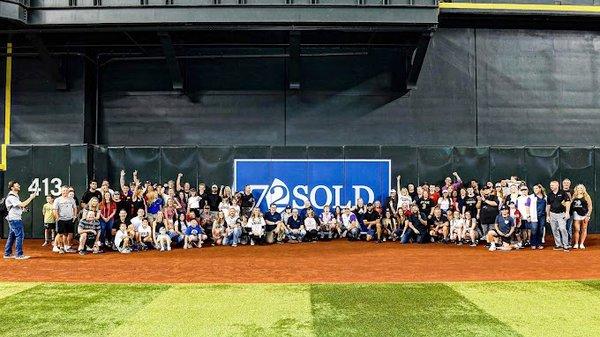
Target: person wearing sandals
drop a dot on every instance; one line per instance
(581, 206)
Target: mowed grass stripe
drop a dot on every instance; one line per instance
(224, 310)
(72, 310)
(9, 289)
(538, 308)
(399, 310)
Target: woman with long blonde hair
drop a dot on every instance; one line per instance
(581, 208)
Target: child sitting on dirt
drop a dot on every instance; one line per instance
(122, 240)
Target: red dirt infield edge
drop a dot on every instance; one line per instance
(338, 261)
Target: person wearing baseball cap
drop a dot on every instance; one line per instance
(504, 228)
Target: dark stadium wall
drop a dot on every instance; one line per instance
(478, 87)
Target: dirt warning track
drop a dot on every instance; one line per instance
(322, 262)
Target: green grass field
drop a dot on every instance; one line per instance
(412, 309)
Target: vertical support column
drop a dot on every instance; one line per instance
(7, 103)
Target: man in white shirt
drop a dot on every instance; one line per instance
(15, 209)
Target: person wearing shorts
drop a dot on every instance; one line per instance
(49, 220)
(194, 235)
(504, 227)
(65, 211)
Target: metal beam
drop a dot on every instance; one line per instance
(50, 63)
(416, 61)
(294, 61)
(172, 63)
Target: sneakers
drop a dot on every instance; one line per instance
(61, 251)
(55, 249)
(6, 257)
(251, 242)
(473, 244)
(557, 248)
(234, 245)
(82, 252)
(576, 246)
(168, 248)
(581, 246)
(22, 257)
(492, 247)
(45, 244)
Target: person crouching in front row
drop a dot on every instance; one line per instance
(194, 235)
(350, 222)
(122, 239)
(311, 227)
(88, 234)
(256, 224)
(414, 227)
(295, 227)
(503, 230)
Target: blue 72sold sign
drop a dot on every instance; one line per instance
(320, 181)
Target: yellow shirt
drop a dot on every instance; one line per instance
(48, 214)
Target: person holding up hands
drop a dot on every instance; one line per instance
(15, 208)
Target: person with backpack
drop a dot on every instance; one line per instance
(12, 208)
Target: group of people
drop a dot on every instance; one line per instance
(139, 216)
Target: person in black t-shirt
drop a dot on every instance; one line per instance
(92, 192)
(439, 225)
(488, 210)
(557, 211)
(415, 227)
(470, 203)
(248, 201)
(214, 199)
(425, 204)
(371, 220)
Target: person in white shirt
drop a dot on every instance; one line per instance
(15, 208)
(523, 205)
(144, 234)
(122, 240)
(137, 221)
(233, 230)
(194, 202)
(310, 225)
(457, 224)
(328, 228)
(256, 224)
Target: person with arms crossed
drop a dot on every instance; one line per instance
(15, 208)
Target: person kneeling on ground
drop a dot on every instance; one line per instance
(194, 235)
(414, 227)
(88, 234)
(295, 228)
(311, 227)
(275, 229)
(122, 239)
(350, 221)
(373, 224)
(439, 225)
(328, 226)
(503, 230)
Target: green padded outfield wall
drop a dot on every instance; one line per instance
(71, 165)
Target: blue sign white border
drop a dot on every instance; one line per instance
(235, 161)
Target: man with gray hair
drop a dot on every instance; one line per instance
(557, 210)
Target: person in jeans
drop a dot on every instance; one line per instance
(566, 187)
(557, 209)
(537, 213)
(415, 227)
(15, 209)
